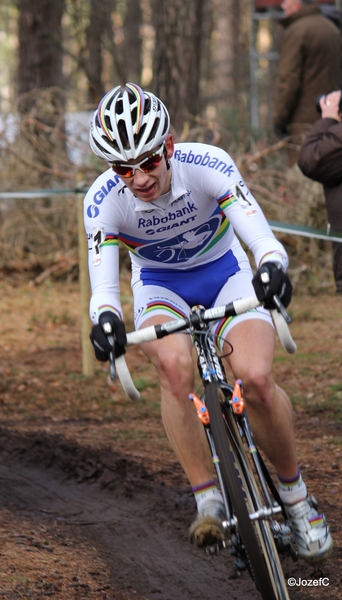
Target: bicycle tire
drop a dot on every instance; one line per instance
(257, 537)
(255, 500)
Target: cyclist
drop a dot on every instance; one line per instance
(178, 208)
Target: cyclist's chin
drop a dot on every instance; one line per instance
(148, 194)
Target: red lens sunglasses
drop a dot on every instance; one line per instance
(146, 165)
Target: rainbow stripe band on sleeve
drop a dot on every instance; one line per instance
(226, 200)
(273, 257)
(110, 308)
(110, 240)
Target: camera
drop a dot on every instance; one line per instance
(318, 99)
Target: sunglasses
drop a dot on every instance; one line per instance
(146, 165)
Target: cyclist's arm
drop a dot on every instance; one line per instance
(241, 209)
(251, 226)
(103, 258)
(246, 216)
(104, 277)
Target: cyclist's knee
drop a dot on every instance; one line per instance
(259, 390)
(175, 370)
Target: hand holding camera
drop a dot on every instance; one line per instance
(330, 106)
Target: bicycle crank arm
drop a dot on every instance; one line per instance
(263, 513)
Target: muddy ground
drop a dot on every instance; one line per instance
(92, 502)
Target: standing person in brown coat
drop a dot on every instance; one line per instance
(310, 64)
(320, 158)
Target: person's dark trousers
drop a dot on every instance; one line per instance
(337, 265)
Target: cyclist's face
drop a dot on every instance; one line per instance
(150, 186)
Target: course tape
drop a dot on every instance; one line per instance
(291, 228)
(332, 236)
(41, 193)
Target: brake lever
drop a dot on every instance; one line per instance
(265, 278)
(107, 328)
(112, 369)
(281, 308)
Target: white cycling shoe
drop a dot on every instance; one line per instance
(208, 529)
(310, 530)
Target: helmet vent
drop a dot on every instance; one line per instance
(111, 143)
(153, 130)
(109, 103)
(123, 134)
(134, 116)
(138, 136)
(166, 127)
(119, 106)
(108, 122)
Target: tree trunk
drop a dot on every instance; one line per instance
(94, 64)
(132, 45)
(40, 48)
(177, 57)
(41, 100)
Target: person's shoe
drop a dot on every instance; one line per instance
(208, 529)
(310, 530)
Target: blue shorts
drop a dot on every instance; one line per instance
(199, 285)
(151, 300)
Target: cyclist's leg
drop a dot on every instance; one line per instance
(271, 416)
(269, 408)
(172, 358)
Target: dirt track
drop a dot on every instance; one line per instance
(132, 523)
(140, 534)
(92, 502)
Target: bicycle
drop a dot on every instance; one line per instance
(250, 497)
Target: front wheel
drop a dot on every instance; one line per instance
(262, 556)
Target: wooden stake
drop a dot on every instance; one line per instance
(87, 348)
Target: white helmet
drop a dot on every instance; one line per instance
(127, 123)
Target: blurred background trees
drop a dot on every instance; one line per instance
(194, 54)
(212, 62)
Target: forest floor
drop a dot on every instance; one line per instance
(92, 502)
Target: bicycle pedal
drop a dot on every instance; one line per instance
(283, 541)
(212, 550)
(215, 548)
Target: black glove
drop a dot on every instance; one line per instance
(281, 131)
(99, 338)
(270, 280)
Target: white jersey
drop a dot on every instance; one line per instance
(191, 228)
